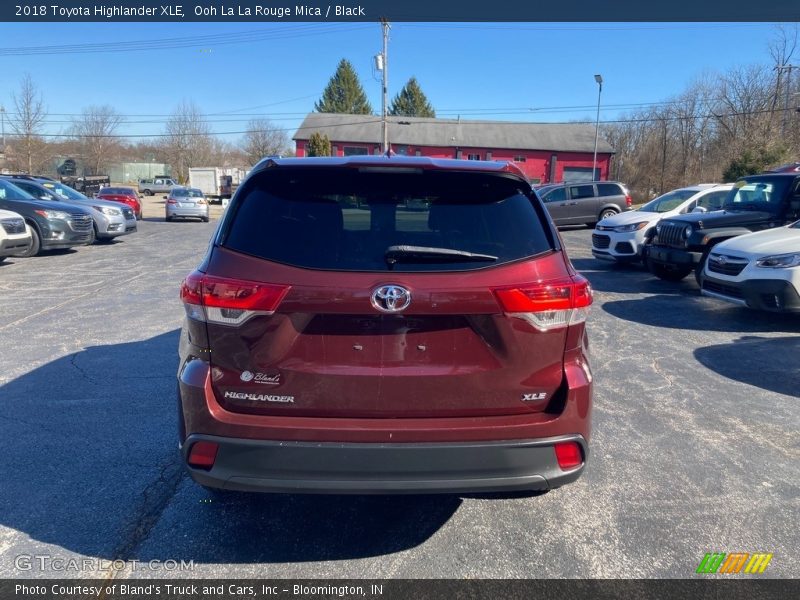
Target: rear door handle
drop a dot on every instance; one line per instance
(572, 203)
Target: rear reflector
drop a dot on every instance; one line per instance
(202, 455)
(228, 301)
(548, 305)
(568, 455)
(628, 200)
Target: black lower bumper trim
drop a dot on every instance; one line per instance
(674, 256)
(774, 295)
(345, 468)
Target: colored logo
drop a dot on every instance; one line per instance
(734, 562)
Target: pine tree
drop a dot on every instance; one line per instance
(318, 145)
(411, 102)
(344, 93)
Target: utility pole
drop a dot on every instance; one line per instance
(3, 126)
(599, 80)
(385, 71)
(780, 69)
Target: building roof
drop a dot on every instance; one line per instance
(417, 131)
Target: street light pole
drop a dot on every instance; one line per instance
(384, 98)
(599, 80)
(3, 125)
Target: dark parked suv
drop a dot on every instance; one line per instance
(54, 225)
(385, 325)
(683, 242)
(584, 203)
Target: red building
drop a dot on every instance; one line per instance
(547, 152)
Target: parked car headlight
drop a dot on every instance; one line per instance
(107, 210)
(631, 227)
(779, 261)
(658, 228)
(687, 232)
(53, 214)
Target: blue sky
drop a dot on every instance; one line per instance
(503, 71)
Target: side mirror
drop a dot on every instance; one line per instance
(699, 209)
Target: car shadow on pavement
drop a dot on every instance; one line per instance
(767, 363)
(246, 528)
(630, 279)
(90, 466)
(698, 313)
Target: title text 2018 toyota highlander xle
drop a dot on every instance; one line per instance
(385, 325)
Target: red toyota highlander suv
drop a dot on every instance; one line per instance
(385, 325)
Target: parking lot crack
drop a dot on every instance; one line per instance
(83, 373)
(659, 372)
(155, 498)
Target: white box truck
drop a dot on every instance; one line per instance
(216, 183)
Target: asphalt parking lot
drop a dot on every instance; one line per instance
(694, 450)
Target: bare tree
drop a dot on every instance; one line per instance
(263, 139)
(95, 131)
(27, 122)
(188, 141)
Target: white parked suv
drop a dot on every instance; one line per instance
(760, 270)
(622, 237)
(15, 237)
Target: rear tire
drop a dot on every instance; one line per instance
(668, 273)
(36, 244)
(205, 219)
(147, 192)
(606, 213)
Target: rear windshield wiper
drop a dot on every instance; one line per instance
(423, 254)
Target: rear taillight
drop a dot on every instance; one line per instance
(171, 201)
(202, 455)
(628, 201)
(568, 455)
(228, 301)
(548, 305)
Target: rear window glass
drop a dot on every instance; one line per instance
(581, 191)
(8, 191)
(346, 219)
(609, 189)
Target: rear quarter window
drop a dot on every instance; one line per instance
(346, 219)
(609, 189)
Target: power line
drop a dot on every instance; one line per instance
(193, 41)
(379, 120)
(445, 111)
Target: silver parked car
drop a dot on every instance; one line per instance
(111, 219)
(186, 202)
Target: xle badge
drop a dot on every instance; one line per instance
(534, 396)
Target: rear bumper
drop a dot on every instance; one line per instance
(399, 455)
(201, 212)
(344, 468)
